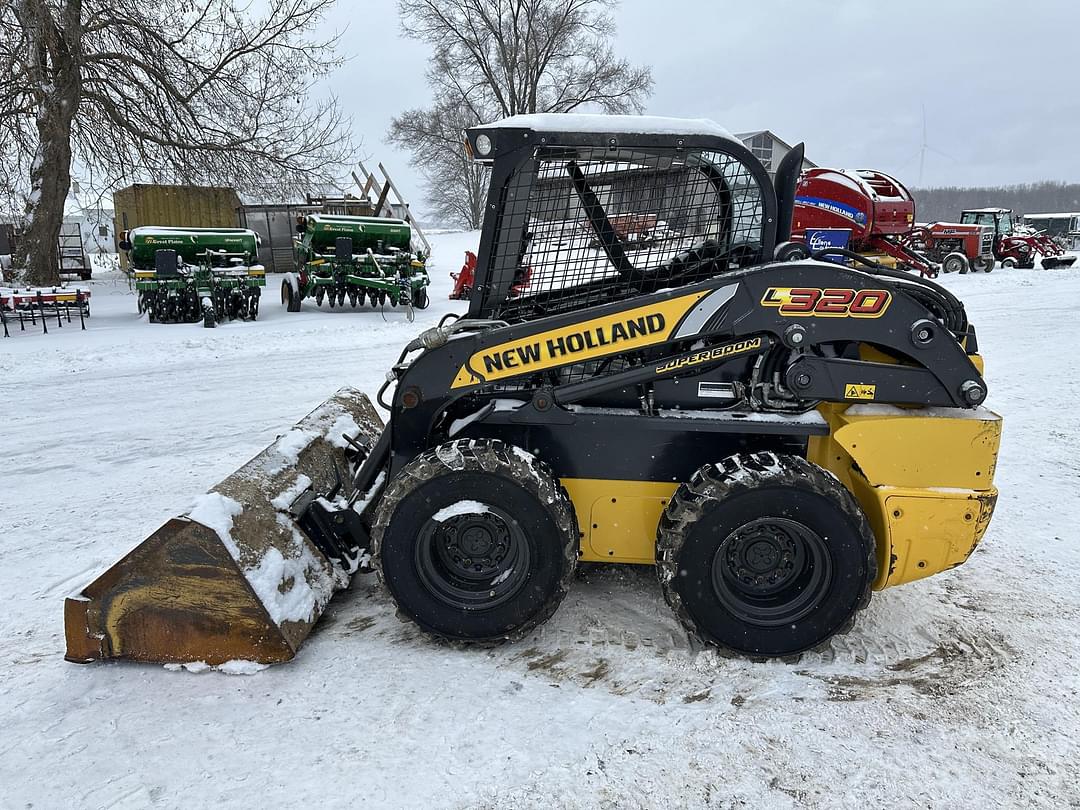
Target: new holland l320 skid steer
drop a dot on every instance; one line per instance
(636, 381)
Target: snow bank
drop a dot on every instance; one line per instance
(240, 667)
(229, 667)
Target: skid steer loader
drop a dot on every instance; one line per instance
(777, 438)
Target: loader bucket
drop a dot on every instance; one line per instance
(1052, 262)
(235, 578)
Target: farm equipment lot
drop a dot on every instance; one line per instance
(960, 689)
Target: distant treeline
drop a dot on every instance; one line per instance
(945, 204)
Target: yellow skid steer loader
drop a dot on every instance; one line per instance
(636, 381)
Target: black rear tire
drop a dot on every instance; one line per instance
(495, 565)
(765, 554)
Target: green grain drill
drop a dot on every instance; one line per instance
(356, 258)
(184, 275)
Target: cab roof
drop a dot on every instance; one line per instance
(611, 125)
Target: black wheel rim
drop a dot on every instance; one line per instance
(473, 561)
(771, 571)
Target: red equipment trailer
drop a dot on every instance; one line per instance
(877, 208)
(1014, 249)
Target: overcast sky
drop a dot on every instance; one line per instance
(1000, 81)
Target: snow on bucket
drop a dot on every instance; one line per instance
(235, 578)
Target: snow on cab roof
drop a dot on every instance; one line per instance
(612, 124)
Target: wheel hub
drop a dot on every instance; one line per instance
(771, 571)
(474, 546)
(473, 561)
(761, 557)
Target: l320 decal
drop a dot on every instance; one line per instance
(815, 302)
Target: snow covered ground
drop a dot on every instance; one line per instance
(956, 691)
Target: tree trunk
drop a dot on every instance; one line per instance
(58, 41)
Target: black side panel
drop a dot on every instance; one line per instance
(597, 447)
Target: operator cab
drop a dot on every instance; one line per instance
(597, 209)
(998, 219)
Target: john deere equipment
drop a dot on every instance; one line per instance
(356, 258)
(777, 438)
(190, 274)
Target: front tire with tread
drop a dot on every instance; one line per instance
(412, 547)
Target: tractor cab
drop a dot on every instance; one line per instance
(1000, 220)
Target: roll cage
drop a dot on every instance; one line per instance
(580, 218)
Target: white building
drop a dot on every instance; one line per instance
(96, 225)
(769, 149)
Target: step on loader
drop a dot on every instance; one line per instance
(778, 439)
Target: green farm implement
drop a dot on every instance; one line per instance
(184, 275)
(356, 259)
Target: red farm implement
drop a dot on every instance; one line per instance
(877, 209)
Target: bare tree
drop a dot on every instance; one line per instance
(167, 91)
(455, 186)
(496, 58)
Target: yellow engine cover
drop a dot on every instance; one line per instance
(924, 478)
